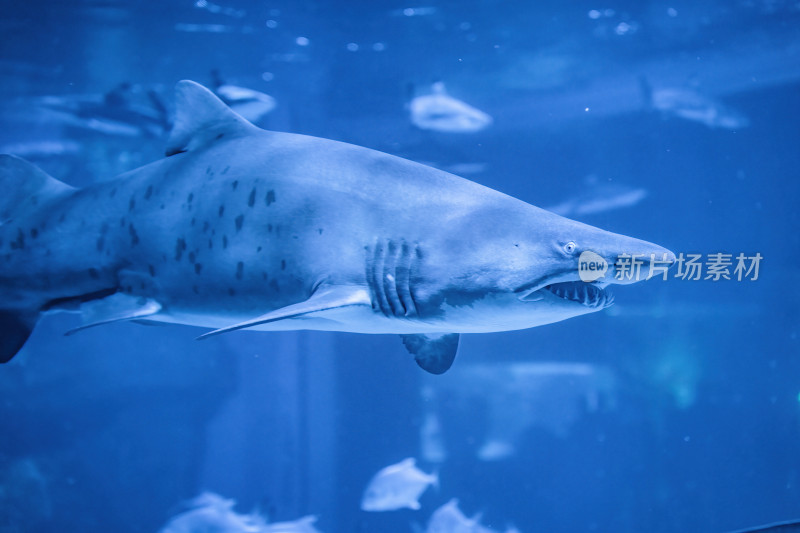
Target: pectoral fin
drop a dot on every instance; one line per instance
(119, 306)
(433, 353)
(323, 299)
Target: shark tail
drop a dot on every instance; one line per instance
(25, 189)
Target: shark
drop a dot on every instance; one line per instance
(243, 228)
(692, 105)
(125, 111)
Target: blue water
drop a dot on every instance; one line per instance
(689, 420)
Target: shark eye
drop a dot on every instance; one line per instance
(570, 247)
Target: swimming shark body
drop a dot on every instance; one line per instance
(244, 228)
(690, 104)
(124, 111)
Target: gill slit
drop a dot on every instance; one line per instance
(389, 274)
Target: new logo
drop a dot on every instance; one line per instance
(591, 266)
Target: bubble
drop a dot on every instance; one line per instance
(672, 12)
(353, 47)
(409, 12)
(201, 3)
(379, 47)
(267, 76)
(594, 14)
(302, 41)
(272, 24)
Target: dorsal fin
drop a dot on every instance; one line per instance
(201, 118)
(24, 187)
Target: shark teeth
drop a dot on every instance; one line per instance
(587, 294)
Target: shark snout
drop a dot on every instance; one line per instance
(622, 261)
(638, 262)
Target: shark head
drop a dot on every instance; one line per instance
(529, 267)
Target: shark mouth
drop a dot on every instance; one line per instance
(587, 294)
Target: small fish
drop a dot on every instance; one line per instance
(250, 104)
(596, 196)
(449, 519)
(397, 486)
(301, 525)
(212, 513)
(439, 111)
(693, 106)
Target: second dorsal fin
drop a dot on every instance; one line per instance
(201, 118)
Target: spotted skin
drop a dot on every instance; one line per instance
(240, 227)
